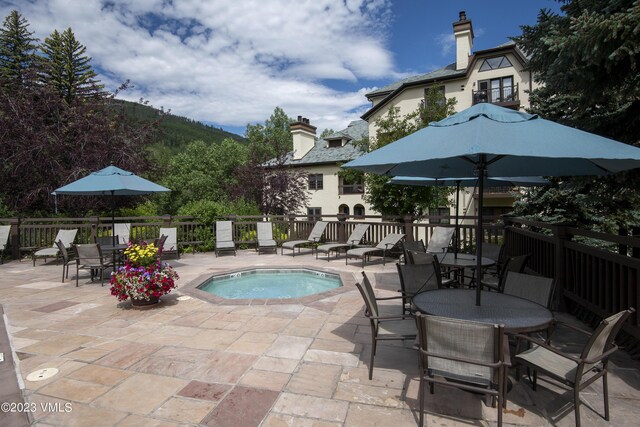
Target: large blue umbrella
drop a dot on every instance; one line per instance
(111, 181)
(517, 181)
(490, 141)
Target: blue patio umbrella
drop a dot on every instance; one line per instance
(490, 141)
(518, 181)
(111, 181)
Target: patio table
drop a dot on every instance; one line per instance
(457, 263)
(114, 250)
(518, 315)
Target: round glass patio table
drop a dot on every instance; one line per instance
(516, 314)
(462, 260)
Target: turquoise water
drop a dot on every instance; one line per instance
(270, 284)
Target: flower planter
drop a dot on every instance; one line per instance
(141, 302)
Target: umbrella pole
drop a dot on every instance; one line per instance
(456, 241)
(113, 227)
(482, 168)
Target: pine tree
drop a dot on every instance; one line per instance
(17, 50)
(65, 67)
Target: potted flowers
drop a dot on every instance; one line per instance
(144, 278)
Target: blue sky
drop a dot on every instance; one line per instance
(229, 63)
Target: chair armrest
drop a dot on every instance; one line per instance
(603, 355)
(387, 298)
(403, 317)
(546, 346)
(575, 328)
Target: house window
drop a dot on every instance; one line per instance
(350, 186)
(495, 63)
(500, 89)
(492, 214)
(343, 209)
(314, 214)
(333, 143)
(439, 213)
(358, 211)
(315, 181)
(439, 100)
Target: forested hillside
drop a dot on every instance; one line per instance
(176, 131)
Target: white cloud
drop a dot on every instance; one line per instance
(229, 62)
(447, 43)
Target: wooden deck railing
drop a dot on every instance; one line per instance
(594, 280)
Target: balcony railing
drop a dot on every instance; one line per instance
(503, 95)
(351, 189)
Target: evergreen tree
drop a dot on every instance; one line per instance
(66, 69)
(17, 50)
(587, 61)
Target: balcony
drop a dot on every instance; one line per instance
(506, 96)
(351, 189)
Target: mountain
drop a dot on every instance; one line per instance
(177, 131)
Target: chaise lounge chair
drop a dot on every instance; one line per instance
(224, 237)
(354, 239)
(123, 231)
(65, 236)
(265, 237)
(314, 237)
(440, 239)
(170, 246)
(4, 239)
(385, 245)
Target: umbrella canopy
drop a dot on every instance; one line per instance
(490, 141)
(111, 181)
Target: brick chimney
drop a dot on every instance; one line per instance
(304, 137)
(463, 31)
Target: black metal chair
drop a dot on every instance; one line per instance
(89, 257)
(68, 258)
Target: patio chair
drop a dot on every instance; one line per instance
(265, 240)
(578, 372)
(415, 246)
(440, 239)
(496, 283)
(384, 246)
(224, 238)
(89, 257)
(462, 354)
(314, 238)
(416, 278)
(353, 240)
(68, 258)
(383, 327)
(159, 242)
(107, 240)
(533, 288)
(123, 231)
(170, 245)
(65, 236)
(418, 258)
(5, 231)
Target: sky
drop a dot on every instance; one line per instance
(231, 62)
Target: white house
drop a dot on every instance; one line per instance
(495, 75)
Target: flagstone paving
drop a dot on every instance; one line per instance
(193, 361)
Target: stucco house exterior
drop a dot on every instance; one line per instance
(495, 75)
(329, 193)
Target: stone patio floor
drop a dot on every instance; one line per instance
(192, 362)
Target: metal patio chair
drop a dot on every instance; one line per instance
(314, 238)
(384, 246)
(224, 237)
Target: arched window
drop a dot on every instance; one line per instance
(343, 209)
(358, 211)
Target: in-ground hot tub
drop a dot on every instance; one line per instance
(271, 283)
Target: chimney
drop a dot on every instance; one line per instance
(304, 137)
(463, 31)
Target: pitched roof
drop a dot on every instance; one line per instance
(322, 154)
(448, 71)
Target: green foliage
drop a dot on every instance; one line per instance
(202, 172)
(587, 61)
(399, 200)
(65, 68)
(273, 138)
(17, 50)
(146, 208)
